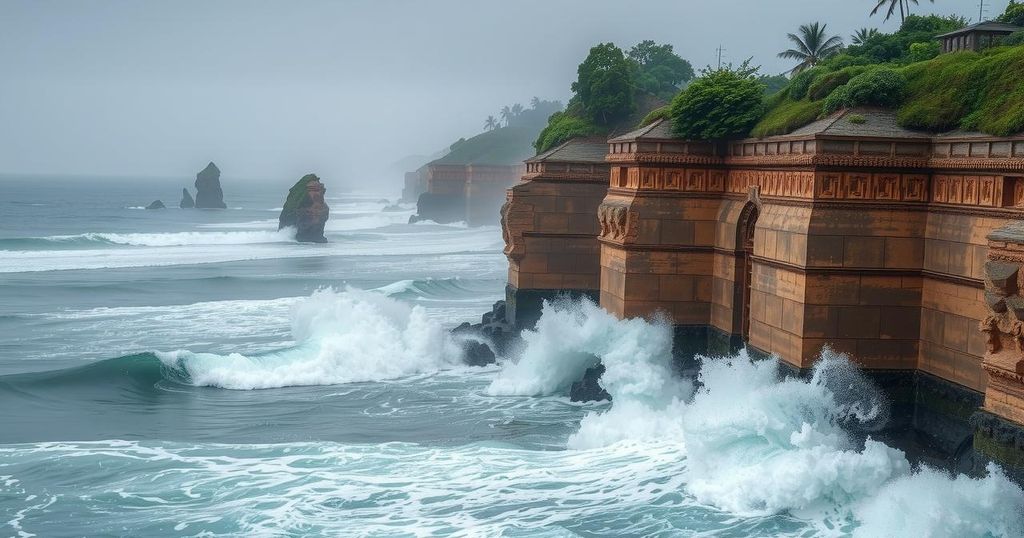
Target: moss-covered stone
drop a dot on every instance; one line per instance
(305, 210)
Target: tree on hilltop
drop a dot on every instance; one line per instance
(812, 46)
(491, 123)
(603, 86)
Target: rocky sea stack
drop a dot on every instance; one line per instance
(157, 204)
(208, 192)
(306, 210)
(186, 200)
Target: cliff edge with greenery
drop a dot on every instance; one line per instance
(972, 91)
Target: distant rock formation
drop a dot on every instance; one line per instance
(208, 192)
(306, 210)
(186, 200)
(157, 204)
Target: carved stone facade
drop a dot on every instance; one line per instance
(869, 239)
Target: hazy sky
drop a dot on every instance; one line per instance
(277, 89)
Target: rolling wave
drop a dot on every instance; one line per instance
(167, 239)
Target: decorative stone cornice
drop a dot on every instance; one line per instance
(663, 158)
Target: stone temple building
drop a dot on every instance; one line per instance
(894, 246)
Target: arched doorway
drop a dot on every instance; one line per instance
(744, 268)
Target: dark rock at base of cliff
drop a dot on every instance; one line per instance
(440, 208)
(393, 207)
(588, 389)
(493, 329)
(208, 192)
(186, 200)
(477, 353)
(157, 204)
(306, 210)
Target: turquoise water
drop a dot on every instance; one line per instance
(197, 373)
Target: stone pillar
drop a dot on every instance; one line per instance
(550, 228)
(1000, 424)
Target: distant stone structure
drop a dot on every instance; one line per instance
(415, 185)
(471, 193)
(157, 204)
(977, 36)
(850, 232)
(306, 210)
(186, 200)
(208, 192)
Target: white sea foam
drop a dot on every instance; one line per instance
(173, 239)
(343, 337)
(754, 445)
(267, 246)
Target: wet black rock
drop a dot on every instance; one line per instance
(588, 389)
(186, 200)
(477, 353)
(209, 195)
(157, 204)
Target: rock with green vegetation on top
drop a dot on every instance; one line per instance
(306, 210)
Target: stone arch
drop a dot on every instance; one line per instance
(745, 226)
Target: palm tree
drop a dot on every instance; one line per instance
(535, 102)
(863, 35)
(506, 114)
(812, 46)
(904, 6)
(491, 123)
(517, 109)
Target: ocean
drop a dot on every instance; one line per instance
(198, 373)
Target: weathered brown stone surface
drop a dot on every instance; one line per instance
(868, 237)
(550, 221)
(472, 193)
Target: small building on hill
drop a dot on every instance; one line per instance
(977, 36)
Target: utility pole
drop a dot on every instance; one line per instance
(981, 10)
(719, 49)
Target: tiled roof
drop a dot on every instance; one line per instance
(878, 123)
(658, 130)
(985, 26)
(577, 150)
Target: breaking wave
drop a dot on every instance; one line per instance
(754, 445)
(168, 239)
(342, 337)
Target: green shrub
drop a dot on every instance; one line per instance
(802, 82)
(720, 104)
(940, 92)
(857, 119)
(920, 52)
(561, 127)
(786, 117)
(881, 86)
(825, 84)
(1014, 39)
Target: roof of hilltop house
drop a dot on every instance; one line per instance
(575, 150)
(984, 26)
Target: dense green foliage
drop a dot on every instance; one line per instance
(895, 47)
(1014, 13)
(720, 104)
(773, 83)
(604, 86)
(879, 86)
(1014, 39)
(657, 70)
(562, 127)
(613, 88)
(503, 145)
(967, 90)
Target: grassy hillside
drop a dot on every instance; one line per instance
(963, 90)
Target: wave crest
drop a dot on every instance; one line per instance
(343, 337)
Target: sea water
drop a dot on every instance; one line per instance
(197, 373)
